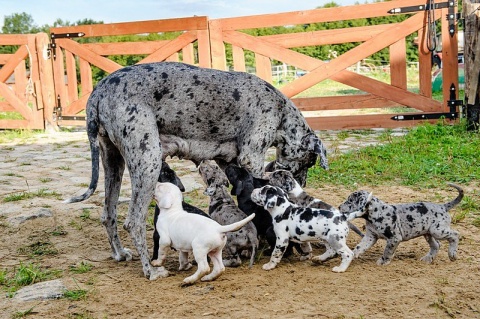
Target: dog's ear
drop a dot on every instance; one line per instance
(312, 143)
(165, 201)
(237, 188)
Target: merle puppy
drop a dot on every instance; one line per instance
(168, 175)
(402, 222)
(297, 195)
(243, 184)
(302, 224)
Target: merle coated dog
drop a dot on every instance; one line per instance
(303, 224)
(402, 222)
(131, 108)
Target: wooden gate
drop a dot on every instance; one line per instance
(21, 94)
(78, 52)
(70, 55)
(376, 94)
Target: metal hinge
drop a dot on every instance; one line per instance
(452, 115)
(54, 36)
(57, 113)
(422, 7)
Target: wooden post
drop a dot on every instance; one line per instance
(471, 11)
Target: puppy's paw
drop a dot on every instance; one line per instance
(427, 259)
(156, 263)
(157, 272)
(124, 254)
(305, 257)
(185, 267)
(338, 269)
(269, 266)
(453, 256)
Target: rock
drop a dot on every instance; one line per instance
(20, 219)
(52, 289)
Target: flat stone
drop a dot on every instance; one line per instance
(52, 289)
(20, 219)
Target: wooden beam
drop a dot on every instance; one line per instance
(15, 102)
(127, 48)
(150, 26)
(15, 59)
(171, 47)
(342, 102)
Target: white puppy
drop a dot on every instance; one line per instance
(190, 233)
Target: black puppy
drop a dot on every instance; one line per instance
(168, 175)
(243, 184)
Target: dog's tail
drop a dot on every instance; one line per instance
(252, 236)
(236, 226)
(457, 200)
(92, 132)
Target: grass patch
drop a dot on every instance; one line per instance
(43, 192)
(15, 135)
(23, 314)
(427, 156)
(39, 248)
(81, 268)
(24, 275)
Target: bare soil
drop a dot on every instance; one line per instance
(407, 288)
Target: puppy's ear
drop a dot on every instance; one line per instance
(237, 188)
(312, 143)
(165, 201)
(369, 198)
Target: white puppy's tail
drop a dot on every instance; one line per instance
(236, 226)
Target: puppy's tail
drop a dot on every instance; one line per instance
(92, 131)
(457, 200)
(252, 236)
(236, 226)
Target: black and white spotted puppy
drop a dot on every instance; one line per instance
(297, 195)
(303, 224)
(402, 222)
(223, 210)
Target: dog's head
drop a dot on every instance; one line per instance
(357, 201)
(212, 175)
(239, 178)
(167, 195)
(298, 158)
(283, 179)
(269, 197)
(168, 175)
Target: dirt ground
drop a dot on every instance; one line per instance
(407, 288)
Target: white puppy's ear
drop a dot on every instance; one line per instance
(165, 201)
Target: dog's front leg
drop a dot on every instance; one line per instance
(183, 259)
(277, 254)
(162, 255)
(390, 247)
(367, 241)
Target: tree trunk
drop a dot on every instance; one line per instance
(471, 11)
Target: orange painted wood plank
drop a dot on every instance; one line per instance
(149, 26)
(346, 77)
(204, 59)
(171, 47)
(449, 61)
(21, 81)
(15, 124)
(316, 16)
(4, 58)
(217, 47)
(6, 107)
(238, 59)
(173, 58)
(85, 77)
(95, 59)
(342, 102)
(398, 64)
(424, 64)
(15, 102)
(71, 69)
(263, 67)
(13, 39)
(61, 91)
(14, 60)
(140, 47)
(188, 55)
(335, 36)
(77, 105)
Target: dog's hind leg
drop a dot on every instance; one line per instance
(113, 166)
(434, 247)
(200, 255)
(218, 267)
(446, 233)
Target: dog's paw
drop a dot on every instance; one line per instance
(185, 267)
(453, 256)
(427, 259)
(156, 263)
(269, 266)
(125, 254)
(338, 269)
(383, 262)
(305, 257)
(158, 272)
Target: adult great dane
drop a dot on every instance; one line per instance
(204, 112)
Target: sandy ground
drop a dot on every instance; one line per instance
(407, 288)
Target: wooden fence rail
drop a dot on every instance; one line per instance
(67, 75)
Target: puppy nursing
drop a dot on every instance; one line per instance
(402, 222)
(190, 233)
